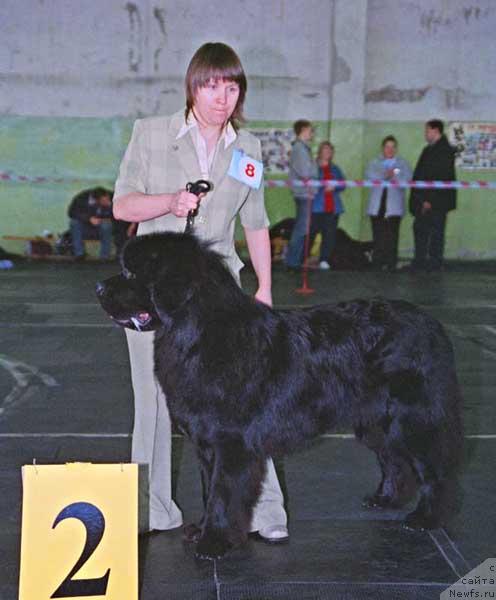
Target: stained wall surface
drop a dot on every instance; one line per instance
(74, 76)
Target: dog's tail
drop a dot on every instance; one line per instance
(446, 400)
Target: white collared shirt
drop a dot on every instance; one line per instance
(204, 158)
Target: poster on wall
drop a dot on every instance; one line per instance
(475, 144)
(276, 147)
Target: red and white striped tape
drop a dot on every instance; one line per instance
(393, 183)
(6, 176)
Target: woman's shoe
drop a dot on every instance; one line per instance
(274, 534)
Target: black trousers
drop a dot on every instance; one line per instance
(385, 233)
(428, 230)
(326, 224)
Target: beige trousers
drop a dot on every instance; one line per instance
(151, 446)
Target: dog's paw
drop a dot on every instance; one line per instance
(212, 546)
(191, 533)
(420, 521)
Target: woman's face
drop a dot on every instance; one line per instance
(215, 102)
(389, 149)
(326, 154)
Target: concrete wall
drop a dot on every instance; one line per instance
(329, 59)
(430, 57)
(74, 75)
(117, 58)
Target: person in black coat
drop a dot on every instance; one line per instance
(430, 206)
(91, 218)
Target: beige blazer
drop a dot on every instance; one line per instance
(156, 162)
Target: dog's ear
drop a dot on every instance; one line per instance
(177, 279)
(171, 290)
(172, 266)
(140, 258)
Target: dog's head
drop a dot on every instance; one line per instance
(160, 273)
(127, 303)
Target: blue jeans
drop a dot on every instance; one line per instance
(85, 231)
(296, 245)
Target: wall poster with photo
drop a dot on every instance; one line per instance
(276, 148)
(475, 144)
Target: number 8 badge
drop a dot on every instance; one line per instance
(246, 169)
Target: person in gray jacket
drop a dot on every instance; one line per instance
(164, 153)
(386, 205)
(302, 167)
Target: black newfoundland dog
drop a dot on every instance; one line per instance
(245, 382)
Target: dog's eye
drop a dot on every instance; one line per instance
(126, 273)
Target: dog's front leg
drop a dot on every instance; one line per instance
(205, 453)
(234, 488)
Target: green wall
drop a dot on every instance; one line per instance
(90, 149)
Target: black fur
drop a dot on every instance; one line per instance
(245, 381)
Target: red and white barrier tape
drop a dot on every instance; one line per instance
(393, 183)
(6, 176)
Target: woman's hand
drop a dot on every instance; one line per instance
(264, 296)
(182, 202)
(131, 230)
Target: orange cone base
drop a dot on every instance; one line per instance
(305, 290)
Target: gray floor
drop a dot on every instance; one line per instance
(63, 370)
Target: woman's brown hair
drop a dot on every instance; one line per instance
(323, 145)
(215, 60)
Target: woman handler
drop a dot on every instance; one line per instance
(163, 155)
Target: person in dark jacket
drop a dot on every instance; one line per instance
(431, 206)
(90, 214)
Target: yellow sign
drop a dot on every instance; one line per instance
(79, 532)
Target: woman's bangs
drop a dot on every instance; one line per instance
(228, 73)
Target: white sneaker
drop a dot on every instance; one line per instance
(324, 265)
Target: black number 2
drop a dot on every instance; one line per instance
(94, 521)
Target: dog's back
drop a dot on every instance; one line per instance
(341, 362)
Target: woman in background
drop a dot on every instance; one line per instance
(327, 205)
(387, 205)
